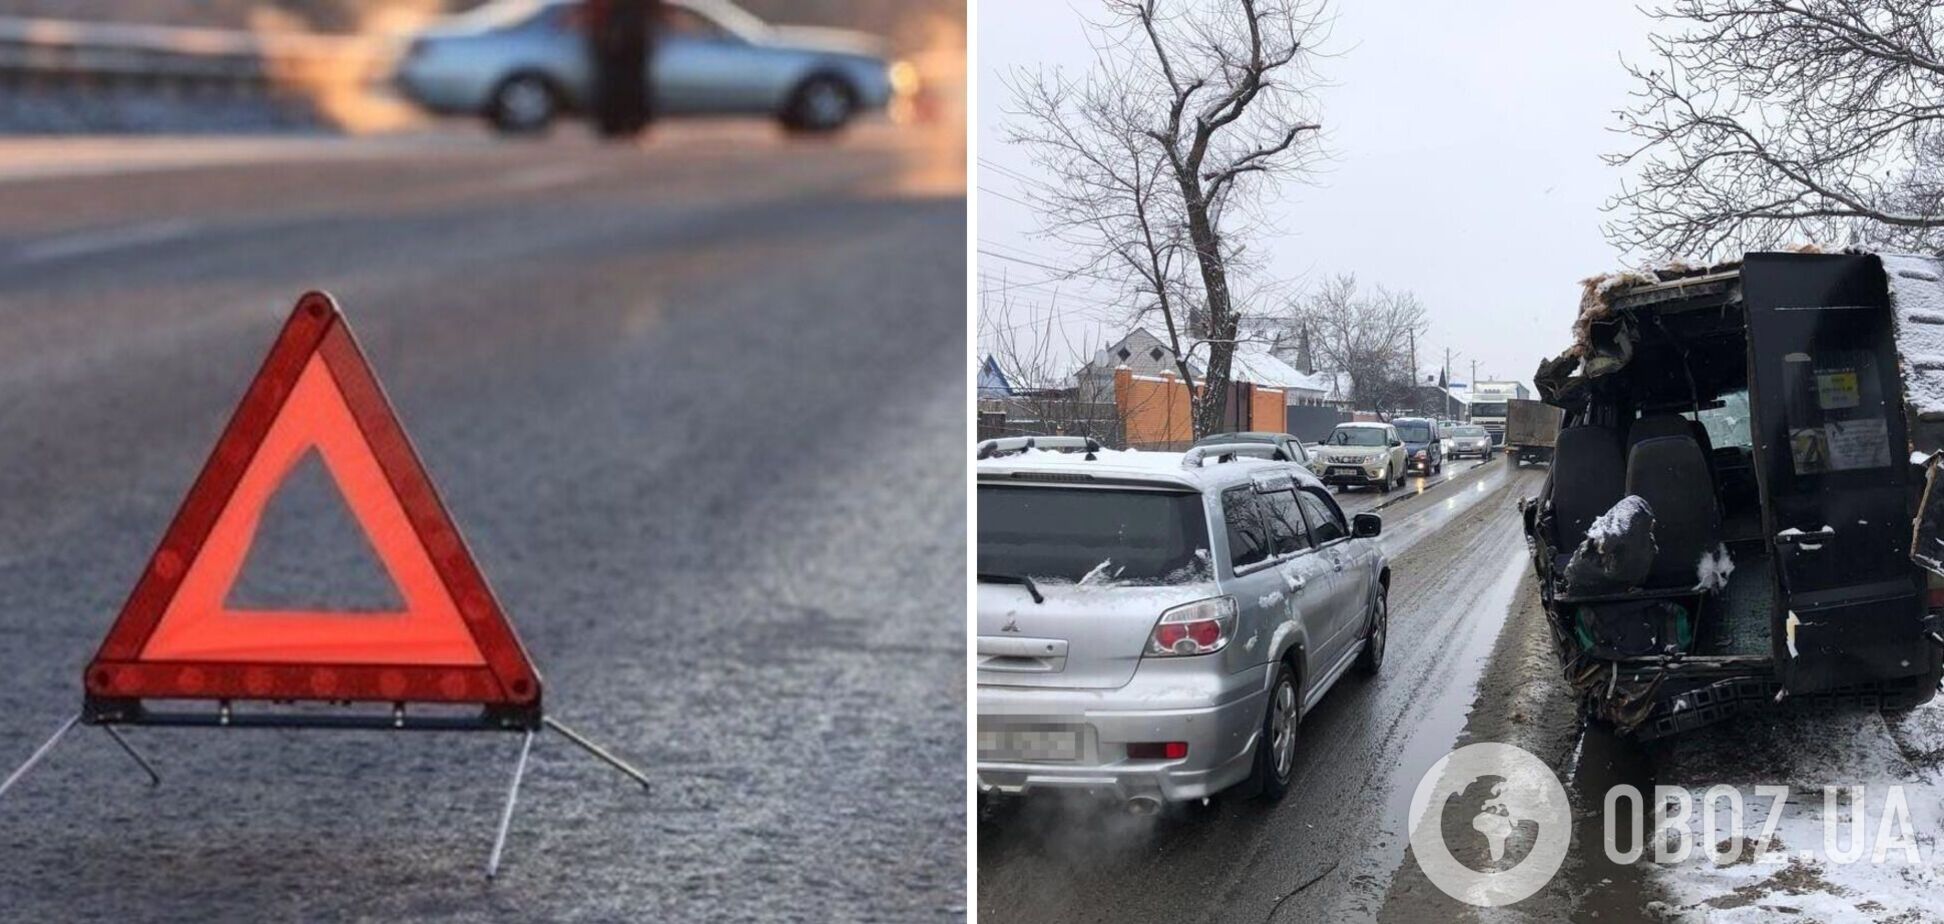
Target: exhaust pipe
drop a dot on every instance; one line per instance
(1143, 805)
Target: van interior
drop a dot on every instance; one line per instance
(1668, 422)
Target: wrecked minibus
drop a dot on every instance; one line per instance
(1737, 513)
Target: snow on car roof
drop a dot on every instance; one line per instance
(1362, 423)
(1134, 465)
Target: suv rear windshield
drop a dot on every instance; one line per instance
(1098, 535)
(1356, 436)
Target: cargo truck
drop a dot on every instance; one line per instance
(1489, 402)
(1530, 429)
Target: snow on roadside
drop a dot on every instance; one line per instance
(1898, 760)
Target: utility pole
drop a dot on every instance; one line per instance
(1474, 389)
(1444, 387)
(1416, 387)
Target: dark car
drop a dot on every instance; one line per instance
(1291, 446)
(1423, 450)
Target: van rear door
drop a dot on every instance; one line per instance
(1831, 463)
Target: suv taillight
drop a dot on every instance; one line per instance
(1198, 628)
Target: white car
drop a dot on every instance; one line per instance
(1359, 453)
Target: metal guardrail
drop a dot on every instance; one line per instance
(56, 52)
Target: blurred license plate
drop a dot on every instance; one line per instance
(1029, 744)
(1345, 470)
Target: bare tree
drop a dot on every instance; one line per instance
(1365, 338)
(1766, 122)
(1039, 361)
(1190, 114)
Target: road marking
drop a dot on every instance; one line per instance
(85, 243)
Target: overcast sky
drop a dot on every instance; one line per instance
(1467, 141)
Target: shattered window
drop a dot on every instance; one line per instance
(1728, 424)
(1835, 412)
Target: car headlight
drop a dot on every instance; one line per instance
(1421, 455)
(903, 76)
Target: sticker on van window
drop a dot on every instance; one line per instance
(1861, 443)
(1837, 389)
(1833, 404)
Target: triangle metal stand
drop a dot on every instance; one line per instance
(519, 773)
(506, 813)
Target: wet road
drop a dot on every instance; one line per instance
(1330, 848)
(684, 401)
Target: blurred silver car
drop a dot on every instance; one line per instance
(1467, 440)
(524, 63)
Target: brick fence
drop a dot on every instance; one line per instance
(1156, 414)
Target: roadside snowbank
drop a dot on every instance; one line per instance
(1804, 875)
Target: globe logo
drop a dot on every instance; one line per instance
(1490, 824)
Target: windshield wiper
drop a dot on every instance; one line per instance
(988, 577)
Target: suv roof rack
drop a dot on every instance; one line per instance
(991, 449)
(1228, 452)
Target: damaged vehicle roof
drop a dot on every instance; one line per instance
(1613, 304)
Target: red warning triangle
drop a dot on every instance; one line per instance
(177, 638)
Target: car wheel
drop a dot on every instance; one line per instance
(524, 104)
(1385, 485)
(821, 105)
(1372, 659)
(1275, 763)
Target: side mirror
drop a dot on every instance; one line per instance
(1366, 526)
(1397, 442)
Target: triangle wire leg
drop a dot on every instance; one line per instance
(39, 753)
(590, 747)
(155, 779)
(506, 814)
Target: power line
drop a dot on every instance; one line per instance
(993, 192)
(1006, 171)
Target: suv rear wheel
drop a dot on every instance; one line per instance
(1372, 659)
(1275, 758)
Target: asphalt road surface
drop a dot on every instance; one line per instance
(699, 409)
(1330, 848)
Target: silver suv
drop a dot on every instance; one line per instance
(1154, 625)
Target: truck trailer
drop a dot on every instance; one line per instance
(1489, 402)
(1530, 429)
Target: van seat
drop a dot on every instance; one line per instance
(1671, 473)
(1588, 476)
